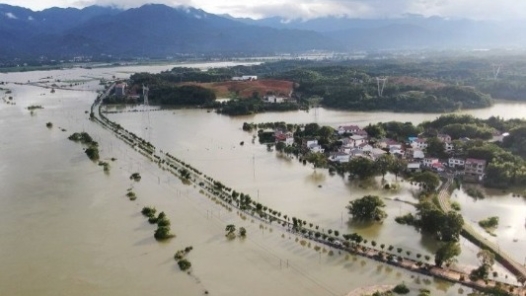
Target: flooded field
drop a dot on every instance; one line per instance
(67, 228)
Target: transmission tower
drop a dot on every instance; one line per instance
(381, 85)
(496, 70)
(146, 112)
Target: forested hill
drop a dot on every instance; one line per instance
(353, 87)
(347, 85)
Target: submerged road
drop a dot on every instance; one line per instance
(474, 236)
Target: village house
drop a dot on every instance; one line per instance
(355, 152)
(414, 167)
(389, 144)
(428, 162)
(356, 140)
(245, 78)
(120, 89)
(418, 154)
(316, 149)
(444, 138)
(397, 152)
(365, 147)
(285, 137)
(475, 168)
(275, 99)
(449, 147)
(455, 162)
(419, 143)
(437, 166)
(361, 133)
(377, 153)
(340, 157)
(312, 146)
(348, 129)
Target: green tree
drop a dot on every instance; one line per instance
(361, 167)
(435, 148)
(280, 147)
(317, 159)
(398, 166)
(375, 131)
(230, 230)
(311, 130)
(447, 253)
(429, 179)
(242, 232)
(367, 208)
(326, 132)
(487, 259)
(383, 164)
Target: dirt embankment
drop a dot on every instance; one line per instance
(244, 89)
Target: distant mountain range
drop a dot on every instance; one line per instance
(158, 31)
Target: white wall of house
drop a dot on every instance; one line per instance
(455, 162)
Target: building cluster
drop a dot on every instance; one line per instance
(355, 142)
(245, 78)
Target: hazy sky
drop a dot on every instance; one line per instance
(473, 9)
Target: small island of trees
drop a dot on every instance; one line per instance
(92, 151)
(367, 208)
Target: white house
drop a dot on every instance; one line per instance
(316, 148)
(418, 154)
(244, 78)
(419, 143)
(339, 157)
(449, 146)
(365, 147)
(396, 151)
(455, 162)
(413, 167)
(351, 129)
(310, 143)
(275, 99)
(356, 140)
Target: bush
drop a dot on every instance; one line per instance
(162, 233)
(49, 125)
(163, 222)
(184, 264)
(401, 289)
(135, 177)
(148, 211)
(408, 219)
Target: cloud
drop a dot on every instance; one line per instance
(307, 9)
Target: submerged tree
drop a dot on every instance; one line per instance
(367, 208)
(447, 253)
(230, 229)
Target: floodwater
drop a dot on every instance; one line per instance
(66, 227)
